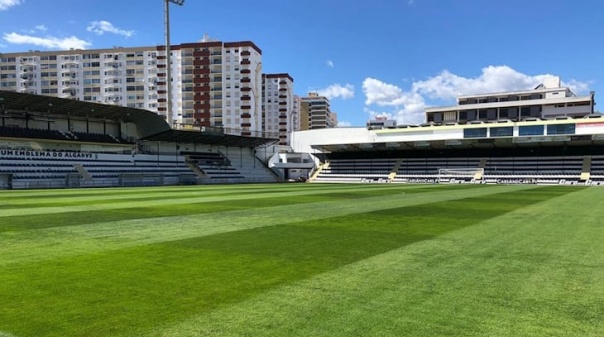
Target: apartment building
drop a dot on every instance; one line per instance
(315, 112)
(215, 84)
(280, 108)
(120, 76)
(548, 100)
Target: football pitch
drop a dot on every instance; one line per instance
(303, 260)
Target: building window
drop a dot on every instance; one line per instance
(507, 131)
(561, 129)
(533, 130)
(475, 133)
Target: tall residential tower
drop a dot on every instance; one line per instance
(215, 84)
(280, 111)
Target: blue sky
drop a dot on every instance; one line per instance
(371, 57)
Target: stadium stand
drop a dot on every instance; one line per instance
(81, 144)
(528, 165)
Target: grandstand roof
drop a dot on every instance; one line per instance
(544, 141)
(147, 122)
(208, 137)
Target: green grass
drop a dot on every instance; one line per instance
(303, 260)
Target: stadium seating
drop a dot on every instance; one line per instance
(214, 167)
(537, 169)
(357, 170)
(245, 161)
(91, 170)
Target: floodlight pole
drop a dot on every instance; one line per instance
(169, 116)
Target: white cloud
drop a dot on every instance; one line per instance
(447, 85)
(344, 124)
(6, 4)
(329, 63)
(50, 42)
(577, 86)
(408, 106)
(337, 91)
(41, 28)
(102, 27)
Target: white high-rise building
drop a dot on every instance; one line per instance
(280, 111)
(215, 84)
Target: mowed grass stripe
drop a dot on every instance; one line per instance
(127, 190)
(167, 282)
(27, 222)
(24, 222)
(7, 195)
(534, 271)
(91, 206)
(68, 199)
(48, 243)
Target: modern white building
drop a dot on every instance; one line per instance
(279, 110)
(548, 100)
(215, 84)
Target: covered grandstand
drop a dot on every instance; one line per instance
(567, 151)
(48, 142)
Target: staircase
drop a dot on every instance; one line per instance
(192, 164)
(318, 171)
(83, 172)
(586, 169)
(392, 173)
(479, 173)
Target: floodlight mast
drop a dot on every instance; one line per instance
(169, 115)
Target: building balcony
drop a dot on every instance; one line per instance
(28, 91)
(71, 63)
(245, 61)
(246, 80)
(28, 84)
(28, 62)
(245, 53)
(112, 74)
(70, 84)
